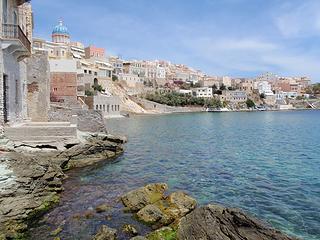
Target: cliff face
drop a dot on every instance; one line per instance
(34, 179)
(127, 104)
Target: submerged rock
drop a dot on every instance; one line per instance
(141, 197)
(102, 208)
(105, 233)
(215, 222)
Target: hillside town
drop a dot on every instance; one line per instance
(57, 97)
(52, 80)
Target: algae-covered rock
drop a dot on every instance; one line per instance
(56, 232)
(168, 210)
(181, 204)
(138, 238)
(129, 229)
(141, 197)
(150, 214)
(165, 233)
(105, 233)
(215, 222)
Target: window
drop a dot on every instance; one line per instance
(104, 107)
(90, 72)
(97, 107)
(62, 53)
(15, 18)
(112, 108)
(108, 108)
(85, 71)
(100, 107)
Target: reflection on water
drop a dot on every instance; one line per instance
(267, 163)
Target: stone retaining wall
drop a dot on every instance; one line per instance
(88, 120)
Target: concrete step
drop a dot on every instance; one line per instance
(45, 139)
(48, 124)
(41, 132)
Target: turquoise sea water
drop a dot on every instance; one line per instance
(266, 163)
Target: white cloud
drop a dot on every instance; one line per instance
(254, 55)
(299, 20)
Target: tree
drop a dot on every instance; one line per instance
(88, 93)
(223, 87)
(214, 87)
(196, 85)
(114, 78)
(97, 88)
(250, 103)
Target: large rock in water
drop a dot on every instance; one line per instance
(166, 211)
(141, 197)
(215, 222)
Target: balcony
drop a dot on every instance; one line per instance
(15, 39)
(20, 2)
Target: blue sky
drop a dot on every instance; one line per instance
(220, 37)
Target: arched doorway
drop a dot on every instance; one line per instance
(95, 82)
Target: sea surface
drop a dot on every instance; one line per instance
(266, 163)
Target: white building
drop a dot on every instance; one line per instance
(233, 96)
(131, 80)
(204, 92)
(185, 92)
(264, 87)
(110, 106)
(226, 81)
(15, 36)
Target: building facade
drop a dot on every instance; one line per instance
(110, 106)
(204, 92)
(63, 81)
(15, 40)
(233, 96)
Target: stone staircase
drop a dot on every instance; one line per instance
(41, 132)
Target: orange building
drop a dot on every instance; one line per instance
(63, 87)
(94, 52)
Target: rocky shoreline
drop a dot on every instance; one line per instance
(176, 216)
(32, 176)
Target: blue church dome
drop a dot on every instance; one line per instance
(60, 29)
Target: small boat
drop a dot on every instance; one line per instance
(217, 110)
(261, 108)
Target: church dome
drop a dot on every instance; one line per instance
(60, 29)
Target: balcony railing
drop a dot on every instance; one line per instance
(14, 32)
